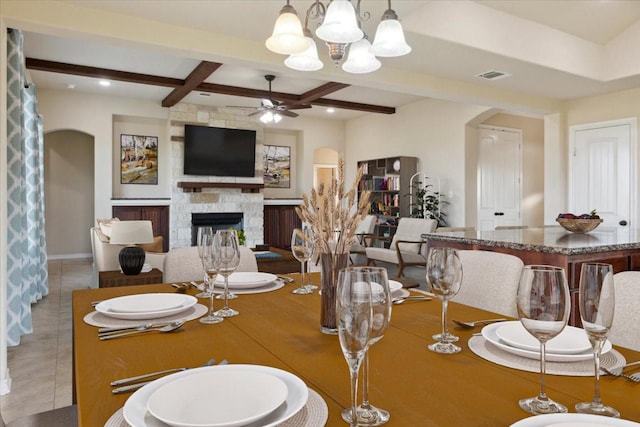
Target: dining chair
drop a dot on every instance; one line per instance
(511, 227)
(625, 330)
(364, 232)
(66, 416)
(407, 247)
(453, 229)
(489, 281)
(184, 265)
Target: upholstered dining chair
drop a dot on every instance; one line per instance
(511, 227)
(625, 330)
(364, 232)
(66, 416)
(489, 281)
(407, 247)
(184, 265)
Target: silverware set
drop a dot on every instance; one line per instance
(400, 300)
(111, 333)
(618, 372)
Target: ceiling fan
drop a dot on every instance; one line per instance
(271, 109)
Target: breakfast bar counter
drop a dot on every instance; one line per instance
(553, 246)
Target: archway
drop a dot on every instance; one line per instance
(325, 166)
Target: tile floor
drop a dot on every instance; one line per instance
(41, 366)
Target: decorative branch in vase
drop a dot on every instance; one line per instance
(333, 214)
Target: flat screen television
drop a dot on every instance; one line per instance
(219, 151)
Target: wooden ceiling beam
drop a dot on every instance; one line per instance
(321, 91)
(347, 105)
(197, 76)
(244, 92)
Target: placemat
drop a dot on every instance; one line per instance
(584, 368)
(102, 321)
(313, 414)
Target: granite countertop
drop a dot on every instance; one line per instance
(548, 240)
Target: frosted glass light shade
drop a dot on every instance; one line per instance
(307, 60)
(267, 117)
(287, 37)
(360, 59)
(389, 40)
(340, 24)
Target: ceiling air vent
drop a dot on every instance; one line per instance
(493, 75)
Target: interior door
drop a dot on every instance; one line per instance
(601, 170)
(499, 177)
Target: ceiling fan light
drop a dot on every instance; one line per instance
(276, 118)
(389, 40)
(267, 117)
(340, 23)
(287, 37)
(307, 60)
(360, 59)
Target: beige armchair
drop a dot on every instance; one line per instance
(407, 247)
(364, 233)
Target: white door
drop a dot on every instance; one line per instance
(499, 177)
(601, 171)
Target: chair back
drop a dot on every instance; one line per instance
(412, 229)
(367, 225)
(184, 265)
(625, 330)
(489, 281)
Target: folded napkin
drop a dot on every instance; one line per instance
(584, 368)
(313, 414)
(103, 321)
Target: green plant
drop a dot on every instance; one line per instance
(242, 238)
(428, 204)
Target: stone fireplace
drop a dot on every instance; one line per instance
(215, 220)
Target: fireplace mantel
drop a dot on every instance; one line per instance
(196, 187)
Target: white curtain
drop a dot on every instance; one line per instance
(27, 276)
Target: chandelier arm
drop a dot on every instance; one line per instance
(317, 10)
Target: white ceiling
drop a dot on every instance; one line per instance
(552, 49)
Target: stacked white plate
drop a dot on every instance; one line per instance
(572, 420)
(146, 306)
(571, 345)
(249, 282)
(218, 396)
(397, 290)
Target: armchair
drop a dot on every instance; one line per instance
(407, 247)
(364, 233)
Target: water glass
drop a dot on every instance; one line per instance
(444, 275)
(543, 305)
(204, 232)
(597, 304)
(209, 264)
(227, 255)
(302, 246)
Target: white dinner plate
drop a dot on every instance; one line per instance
(394, 286)
(572, 420)
(489, 333)
(135, 408)
(245, 279)
(245, 291)
(217, 398)
(144, 303)
(188, 301)
(571, 340)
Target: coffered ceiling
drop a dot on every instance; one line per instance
(551, 50)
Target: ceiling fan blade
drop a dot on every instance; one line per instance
(288, 113)
(254, 113)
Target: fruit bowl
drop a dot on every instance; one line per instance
(579, 225)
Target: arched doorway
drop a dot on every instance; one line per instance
(325, 166)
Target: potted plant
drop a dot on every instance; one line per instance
(428, 204)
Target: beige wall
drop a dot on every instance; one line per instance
(68, 178)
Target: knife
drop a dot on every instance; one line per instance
(286, 279)
(126, 328)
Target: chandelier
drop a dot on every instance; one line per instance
(341, 28)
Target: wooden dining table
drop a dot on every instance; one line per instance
(282, 330)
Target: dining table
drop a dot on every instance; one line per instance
(280, 329)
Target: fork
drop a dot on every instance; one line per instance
(618, 373)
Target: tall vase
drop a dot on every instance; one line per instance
(330, 265)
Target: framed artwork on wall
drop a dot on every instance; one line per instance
(138, 159)
(277, 166)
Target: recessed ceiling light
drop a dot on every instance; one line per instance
(331, 110)
(71, 86)
(204, 94)
(104, 83)
(493, 75)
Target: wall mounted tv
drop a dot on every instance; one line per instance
(219, 152)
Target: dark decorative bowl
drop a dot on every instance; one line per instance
(579, 225)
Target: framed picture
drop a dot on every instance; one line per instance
(277, 166)
(138, 159)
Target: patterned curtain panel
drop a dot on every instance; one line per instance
(27, 277)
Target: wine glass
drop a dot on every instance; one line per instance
(302, 246)
(202, 232)
(444, 275)
(209, 264)
(227, 260)
(596, 302)
(310, 284)
(378, 282)
(543, 305)
(354, 318)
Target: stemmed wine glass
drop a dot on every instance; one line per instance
(378, 282)
(227, 260)
(302, 246)
(444, 275)
(209, 263)
(205, 231)
(354, 317)
(597, 304)
(543, 306)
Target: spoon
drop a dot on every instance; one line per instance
(168, 328)
(400, 300)
(471, 325)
